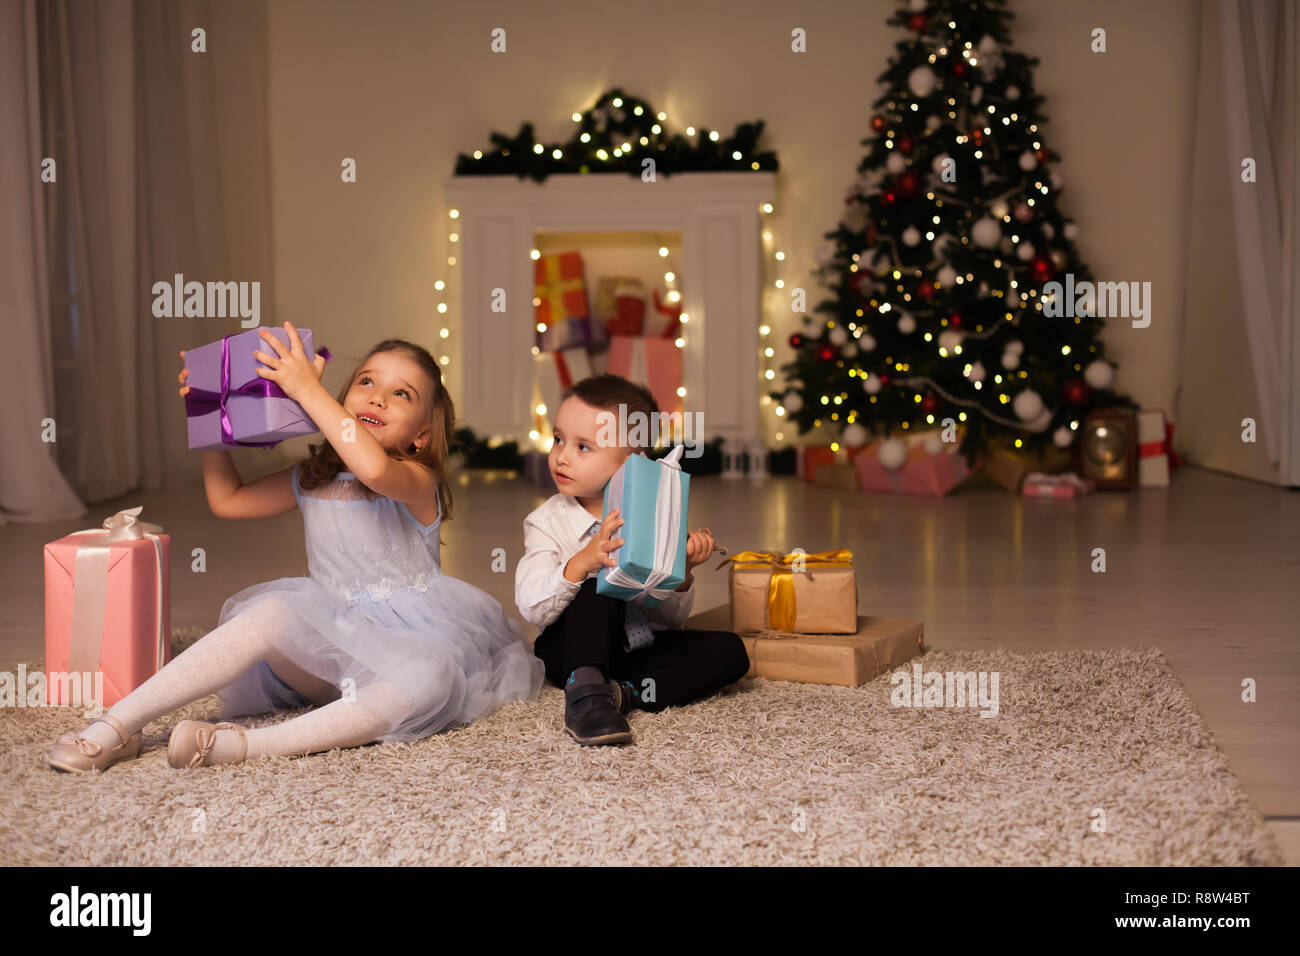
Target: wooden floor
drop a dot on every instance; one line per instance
(1208, 571)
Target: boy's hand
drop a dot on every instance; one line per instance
(596, 554)
(289, 366)
(699, 545)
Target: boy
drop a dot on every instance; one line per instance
(609, 655)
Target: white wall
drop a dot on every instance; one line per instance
(404, 86)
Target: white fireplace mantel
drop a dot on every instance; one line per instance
(718, 217)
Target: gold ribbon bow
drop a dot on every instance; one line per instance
(781, 614)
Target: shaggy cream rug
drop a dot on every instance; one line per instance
(1095, 757)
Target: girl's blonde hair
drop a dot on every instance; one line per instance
(325, 463)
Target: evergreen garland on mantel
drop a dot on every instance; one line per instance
(617, 120)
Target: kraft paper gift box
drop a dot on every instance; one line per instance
(1156, 457)
(838, 476)
(877, 645)
(769, 593)
(922, 473)
(230, 405)
(656, 363)
(107, 606)
(607, 293)
(1008, 467)
(560, 288)
(653, 496)
(810, 459)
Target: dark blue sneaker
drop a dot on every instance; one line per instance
(591, 715)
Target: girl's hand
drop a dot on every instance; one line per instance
(699, 545)
(185, 373)
(289, 366)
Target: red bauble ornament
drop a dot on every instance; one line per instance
(884, 378)
(955, 320)
(1041, 154)
(877, 123)
(1042, 268)
(1076, 391)
(925, 291)
(977, 137)
(959, 68)
(909, 183)
(888, 197)
(826, 353)
(796, 340)
(918, 22)
(930, 404)
(905, 144)
(863, 281)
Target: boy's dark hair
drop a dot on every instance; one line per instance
(607, 392)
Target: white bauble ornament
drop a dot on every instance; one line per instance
(917, 6)
(933, 445)
(871, 384)
(999, 209)
(986, 232)
(866, 342)
(933, 122)
(792, 403)
(976, 95)
(1025, 251)
(895, 163)
(1028, 161)
(977, 372)
(1071, 231)
(1013, 92)
(1028, 405)
(850, 350)
(839, 335)
(892, 453)
(1099, 374)
(1015, 345)
(1063, 437)
(906, 324)
(911, 236)
(1010, 360)
(855, 217)
(855, 436)
(987, 45)
(922, 81)
(1048, 230)
(946, 275)
(1024, 213)
(1041, 422)
(1058, 183)
(937, 163)
(949, 339)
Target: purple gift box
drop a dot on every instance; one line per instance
(572, 333)
(230, 405)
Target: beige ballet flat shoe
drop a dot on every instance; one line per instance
(77, 754)
(192, 741)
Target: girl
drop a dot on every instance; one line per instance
(385, 645)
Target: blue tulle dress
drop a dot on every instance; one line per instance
(424, 650)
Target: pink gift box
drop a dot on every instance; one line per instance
(107, 609)
(921, 474)
(1069, 485)
(655, 363)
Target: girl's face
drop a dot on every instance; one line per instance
(390, 397)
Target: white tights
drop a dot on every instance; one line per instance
(219, 657)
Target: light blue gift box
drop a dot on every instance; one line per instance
(653, 496)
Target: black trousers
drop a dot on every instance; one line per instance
(679, 666)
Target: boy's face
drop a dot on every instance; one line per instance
(580, 466)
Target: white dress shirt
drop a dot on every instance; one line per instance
(554, 532)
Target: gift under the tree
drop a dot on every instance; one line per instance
(653, 496)
(655, 363)
(559, 287)
(1008, 467)
(931, 467)
(1067, 485)
(798, 592)
(1156, 455)
(107, 609)
(877, 645)
(809, 460)
(229, 404)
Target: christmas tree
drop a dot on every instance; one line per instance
(938, 267)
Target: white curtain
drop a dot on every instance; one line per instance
(163, 167)
(1259, 81)
(31, 486)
